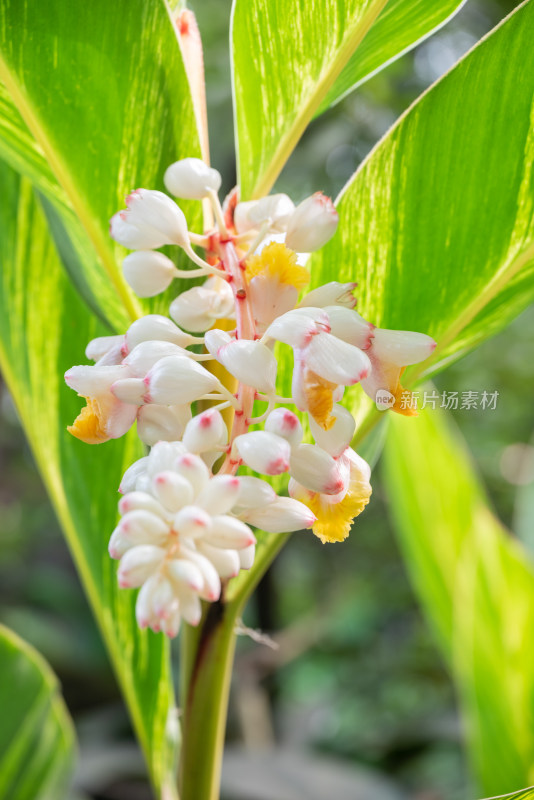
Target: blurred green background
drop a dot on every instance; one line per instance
(356, 701)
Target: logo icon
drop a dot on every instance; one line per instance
(384, 399)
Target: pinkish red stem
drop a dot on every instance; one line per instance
(245, 329)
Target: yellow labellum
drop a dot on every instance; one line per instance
(334, 520)
(401, 406)
(90, 424)
(277, 262)
(320, 399)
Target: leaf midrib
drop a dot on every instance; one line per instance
(63, 177)
(498, 282)
(307, 111)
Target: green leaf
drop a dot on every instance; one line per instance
(37, 739)
(476, 586)
(291, 60)
(96, 103)
(399, 28)
(44, 327)
(524, 794)
(437, 226)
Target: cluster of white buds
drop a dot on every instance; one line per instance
(186, 512)
(182, 530)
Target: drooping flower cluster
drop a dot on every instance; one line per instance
(185, 511)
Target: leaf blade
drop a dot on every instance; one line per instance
(36, 733)
(43, 327)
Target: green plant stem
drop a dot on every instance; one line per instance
(207, 656)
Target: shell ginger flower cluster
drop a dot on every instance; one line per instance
(201, 387)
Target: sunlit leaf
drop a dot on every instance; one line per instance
(476, 586)
(44, 327)
(96, 103)
(291, 60)
(36, 731)
(400, 26)
(437, 225)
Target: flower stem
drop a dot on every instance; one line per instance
(206, 669)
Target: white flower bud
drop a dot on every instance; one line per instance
(134, 237)
(154, 215)
(254, 492)
(286, 424)
(191, 179)
(162, 457)
(148, 273)
(315, 469)
(135, 501)
(140, 526)
(130, 390)
(226, 562)
(138, 564)
(172, 490)
(156, 423)
(146, 354)
(401, 347)
(191, 609)
(194, 470)
(348, 325)
(312, 224)
(205, 432)
(177, 380)
(102, 345)
(230, 532)
(336, 440)
(154, 327)
(211, 588)
(275, 209)
(220, 495)
(92, 381)
(297, 327)
(336, 361)
(132, 474)
(333, 293)
(264, 452)
(246, 556)
(282, 516)
(184, 571)
(192, 521)
(251, 362)
(197, 309)
(153, 603)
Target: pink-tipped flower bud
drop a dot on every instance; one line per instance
(312, 224)
(148, 272)
(205, 432)
(264, 452)
(150, 220)
(315, 469)
(191, 179)
(284, 423)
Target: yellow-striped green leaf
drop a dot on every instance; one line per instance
(95, 102)
(44, 327)
(291, 60)
(36, 731)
